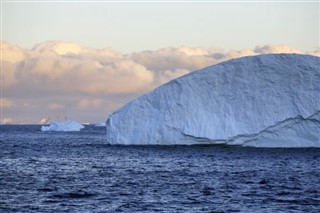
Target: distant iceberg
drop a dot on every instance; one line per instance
(262, 101)
(102, 124)
(66, 126)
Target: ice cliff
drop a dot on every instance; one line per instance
(264, 101)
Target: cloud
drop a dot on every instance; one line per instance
(124, 76)
(174, 58)
(12, 53)
(89, 72)
(265, 49)
(56, 47)
(8, 74)
(167, 75)
(7, 120)
(57, 78)
(238, 53)
(316, 52)
(84, 104)
(5, 103)
(55, 106)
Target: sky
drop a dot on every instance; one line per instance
(84, 60)
(129, 27)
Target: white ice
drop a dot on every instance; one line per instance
(102, 124)
(63, 126)
(263, 101)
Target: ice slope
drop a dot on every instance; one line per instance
(63, 126)
(263, 101)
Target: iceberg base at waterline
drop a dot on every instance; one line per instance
(290, 133)
(268, 100)
(65, 126)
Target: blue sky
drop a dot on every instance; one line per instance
(138, 26)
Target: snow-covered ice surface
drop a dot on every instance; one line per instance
(65, 126)
(263, 101)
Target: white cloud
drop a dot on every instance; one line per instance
(239, 53)
(66, 77)
(174, 58)
(167, 75)
(275, 49)
(57, 47)
(190, 51)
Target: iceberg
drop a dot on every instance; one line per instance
(102, 124)
(268, 100)
(65, 126)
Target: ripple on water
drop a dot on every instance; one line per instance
(77, 172)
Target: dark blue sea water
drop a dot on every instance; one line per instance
(78, 172)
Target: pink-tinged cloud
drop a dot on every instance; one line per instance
(12, 53)
(120, 77)
(56, 106)
(7, 120)
(66, 79)
(85, 104)
(6, 103)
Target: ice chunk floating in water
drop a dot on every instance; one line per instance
(100, 124)
(63, 126)
(265, 101)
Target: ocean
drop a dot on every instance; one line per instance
(79, 172)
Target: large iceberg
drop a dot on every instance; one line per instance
(263, 101)
(65, 126)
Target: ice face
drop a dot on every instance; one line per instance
(239, 98)
(63, 126)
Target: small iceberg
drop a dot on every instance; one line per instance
(102, 124)
(65, 126)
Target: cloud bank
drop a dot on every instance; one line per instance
(57, 79)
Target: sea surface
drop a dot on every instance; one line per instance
(79, 172)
